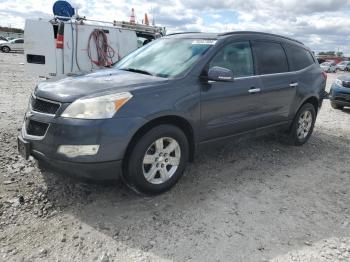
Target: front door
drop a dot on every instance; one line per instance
(231, 107)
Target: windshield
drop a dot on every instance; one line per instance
(326, 63)
(165, 57)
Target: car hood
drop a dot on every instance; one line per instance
(68, 88)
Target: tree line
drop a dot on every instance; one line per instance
(331, 53)
(11, 30)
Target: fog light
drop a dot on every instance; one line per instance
(78, 150)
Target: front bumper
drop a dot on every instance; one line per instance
(340, 95)
(112, 136)
(95, 171)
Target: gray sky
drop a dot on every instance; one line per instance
(323, 25)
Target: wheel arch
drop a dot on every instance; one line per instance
(175, 120)
(314, 100)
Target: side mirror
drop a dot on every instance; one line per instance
(217, 73)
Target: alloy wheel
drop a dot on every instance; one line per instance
(304, 124)
(161, 160)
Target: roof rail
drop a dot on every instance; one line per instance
(179, 33)
(261, 33)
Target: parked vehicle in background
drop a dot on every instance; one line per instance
(3, 39)
(145, 118)
(340, 92)
(71, 46)
(343, 66)
(9, 38)
(329, 67)
(13, 45)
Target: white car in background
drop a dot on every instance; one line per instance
(344, 66)
(13, 45)
(329, 67)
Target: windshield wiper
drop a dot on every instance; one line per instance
(137, 71)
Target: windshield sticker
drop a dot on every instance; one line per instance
(203, 42)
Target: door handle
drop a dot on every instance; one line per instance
(254, 90)
(294, 84)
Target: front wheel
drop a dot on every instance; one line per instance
(157, 160)
(5, 49)
(303, 125)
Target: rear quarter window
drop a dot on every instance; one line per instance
(299, 58)
(270, 58)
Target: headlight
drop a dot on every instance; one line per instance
(100, 107)
(339, 82)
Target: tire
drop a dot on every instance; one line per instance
(336, 106)
(296, 137)
(154, 174)
(5, 49)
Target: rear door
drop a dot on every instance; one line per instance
(278, 84)
(308, 72)
(40, 48)
(231, 107)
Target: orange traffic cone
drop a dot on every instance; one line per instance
(146, 22)
(132, 17)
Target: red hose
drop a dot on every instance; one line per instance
(105, 52)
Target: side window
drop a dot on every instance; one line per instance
(236, 57)
(19, 41)
(270, 58)
(299, 58)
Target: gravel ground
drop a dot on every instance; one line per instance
(250, 200)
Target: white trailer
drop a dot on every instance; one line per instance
(57, 47)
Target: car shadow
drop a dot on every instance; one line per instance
(257, 196)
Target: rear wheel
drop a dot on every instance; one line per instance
(5, 49)
(336, 106)
(303, 125)
(157, 160)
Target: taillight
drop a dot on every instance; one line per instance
(60, 37)
(59, 41)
